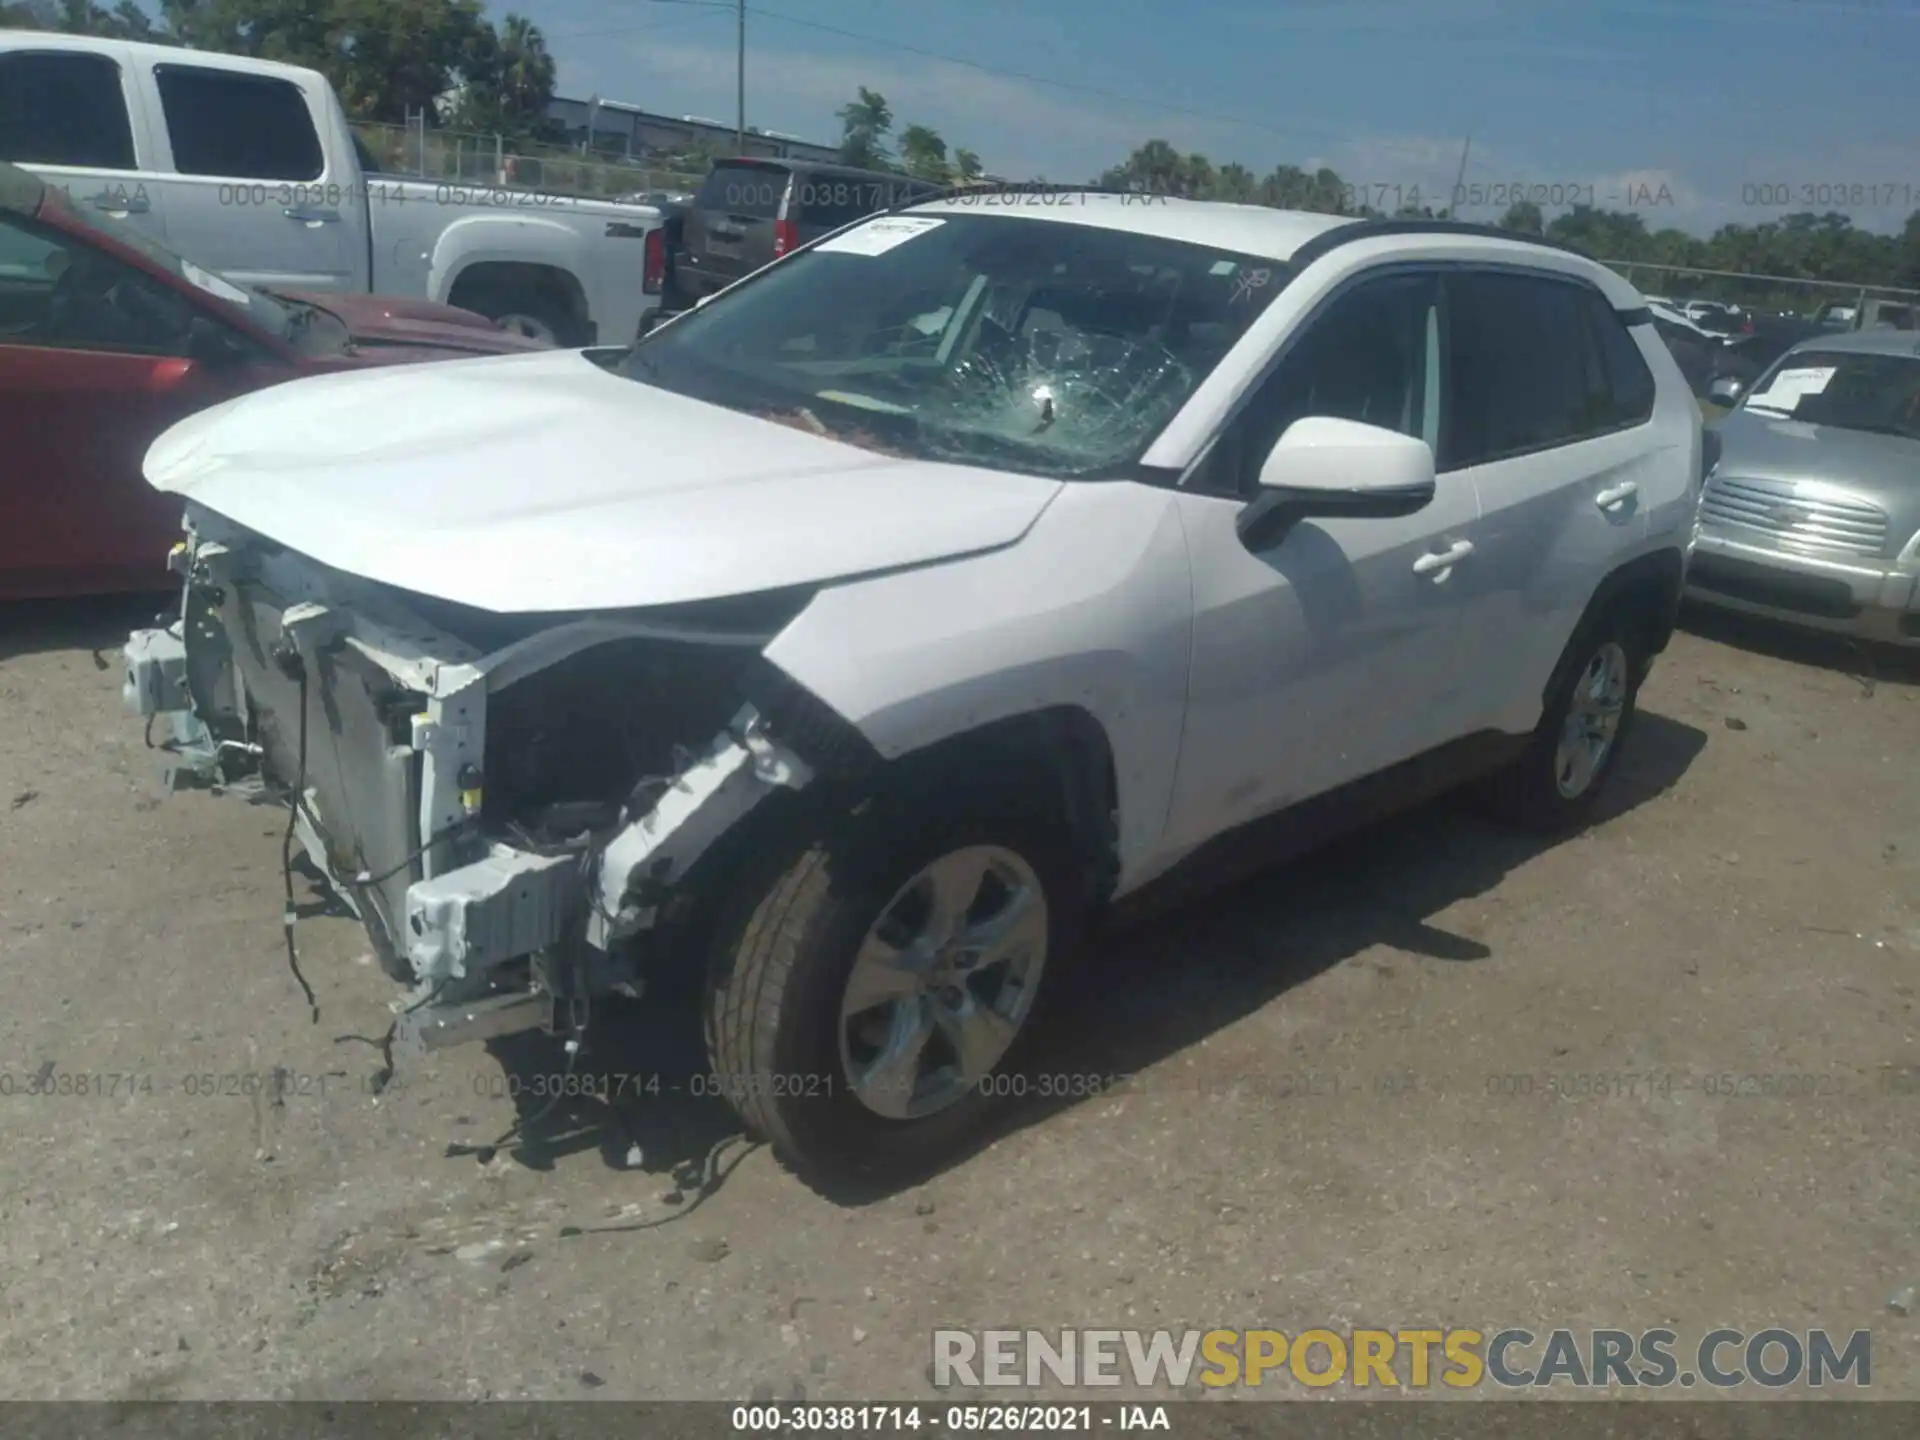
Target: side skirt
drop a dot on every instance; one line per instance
(1274, 840)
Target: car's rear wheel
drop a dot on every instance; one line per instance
(869, 989)
(521, 310)
(1557, 780)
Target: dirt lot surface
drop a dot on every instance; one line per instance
(1385, 1087)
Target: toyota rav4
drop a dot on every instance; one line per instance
(856, 640)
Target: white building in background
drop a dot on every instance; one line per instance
(611, 127)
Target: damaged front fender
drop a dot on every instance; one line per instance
(742, 768)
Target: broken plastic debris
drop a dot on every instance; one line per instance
(1901, 1301)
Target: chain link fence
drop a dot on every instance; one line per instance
(417, 152)
(1786, 294)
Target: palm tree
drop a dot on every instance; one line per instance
(865, 124)
(526, 69)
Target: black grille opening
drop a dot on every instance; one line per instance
(1758, 585)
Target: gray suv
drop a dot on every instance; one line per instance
(750, 212)
(1812, 514)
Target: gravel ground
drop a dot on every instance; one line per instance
(1354, 1096)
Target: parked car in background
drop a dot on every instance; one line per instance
(1812, 513)
(250, 167)
(750, 212)
(1745, 356)
(1874, 314)
(1694, 349)
(107, 338)
(1009, 560)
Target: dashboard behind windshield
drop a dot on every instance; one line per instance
(1849, 390)
(1054, 348)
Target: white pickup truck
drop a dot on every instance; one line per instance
(250, 167)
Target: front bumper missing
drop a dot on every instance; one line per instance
(390, 804)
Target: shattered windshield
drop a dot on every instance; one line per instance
(1054, 348)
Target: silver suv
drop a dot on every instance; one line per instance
(857, 639)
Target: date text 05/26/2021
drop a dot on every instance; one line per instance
(910, 1419)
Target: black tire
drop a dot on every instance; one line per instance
(1528, 793)
(501, 302)
(783, 950)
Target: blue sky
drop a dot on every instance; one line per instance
(1703, 97)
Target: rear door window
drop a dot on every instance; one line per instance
(753, 192)
(242, 127)
(1526, 365)
(64, 109)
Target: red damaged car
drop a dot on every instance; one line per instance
(107, 338)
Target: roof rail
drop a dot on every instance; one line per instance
(1362, 229)
(1007, 187)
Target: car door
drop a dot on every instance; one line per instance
(1325, 657)
(77, 119)
(1538, 423)
(93, 367)
(251, 191)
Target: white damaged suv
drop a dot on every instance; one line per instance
(856, 639)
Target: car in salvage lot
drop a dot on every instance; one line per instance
(1812, 513)
(250, 166)
(987, 568)
(107, 338)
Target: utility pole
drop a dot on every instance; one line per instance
(740, 114)
(1453, 200)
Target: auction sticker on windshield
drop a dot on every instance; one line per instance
(213, 284)
(876, 237)
(1790, 387)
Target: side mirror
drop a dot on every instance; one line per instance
(1323, 468)
(209, 345)
(1725, 391)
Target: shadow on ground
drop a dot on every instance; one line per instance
(95, 622)
(1868, 665)
(1143, 995)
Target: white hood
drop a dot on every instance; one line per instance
(541, 482)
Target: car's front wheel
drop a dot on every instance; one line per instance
(871, 990)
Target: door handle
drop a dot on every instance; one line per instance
(1616, 494)
(311, 217)
(120, 204)
(1445, 560)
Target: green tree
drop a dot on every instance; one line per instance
(966, 165)
(924, 154)
(1156, 168)
(865, 123)
(1525, 217)
(505, 81)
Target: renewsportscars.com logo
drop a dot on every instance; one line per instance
(1460, 1359)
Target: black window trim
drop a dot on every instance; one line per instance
(135, 161)
(1236, 414)
(1444, 465)
(161, 68)
(1440, 269)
